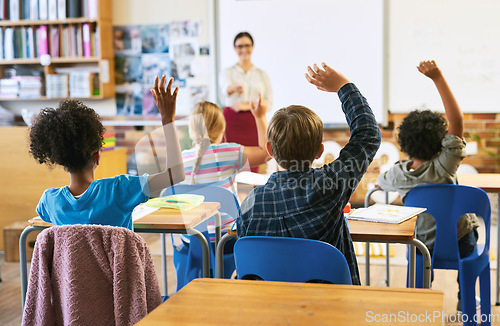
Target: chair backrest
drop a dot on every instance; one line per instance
(290, 260)
(228, 201)
(91, 275)
(447, 203)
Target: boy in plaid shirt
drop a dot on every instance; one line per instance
(303, 202)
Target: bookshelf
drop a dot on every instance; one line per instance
(76, 60)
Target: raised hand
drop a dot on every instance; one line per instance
(259, 107)
(430, 69)
(326, 79)
(165, 100)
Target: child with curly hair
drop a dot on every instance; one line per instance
(71, 136)
(435, 151)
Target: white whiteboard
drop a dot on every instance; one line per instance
(463, 37)
(289, 35)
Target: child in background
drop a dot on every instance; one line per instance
(303, 202)
(71, 136)
(434, 152)
(211, 163)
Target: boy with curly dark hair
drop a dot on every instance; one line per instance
(71, 136)
(435, 151)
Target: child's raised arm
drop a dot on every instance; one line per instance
(327, 80)
(166, 102)
(258, 155)
(451, 107)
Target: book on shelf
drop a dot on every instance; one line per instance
(24, 45)
(1, 42)
(56, 85)
(33, 11)
(79, 42)
(52, 10)
(29, 86)
(43, 9)
(2, 13)
(74, 8)
(14, 10)
(9, 88)
(41, 41)
(61, 10)
(30, 42)
(54, 42)
(25, 9)
(8, 48)
(87, 52)
(93, 8)
(385, 213)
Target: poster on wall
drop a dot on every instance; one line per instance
(143, 52)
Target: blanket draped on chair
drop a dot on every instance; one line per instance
(90, 275)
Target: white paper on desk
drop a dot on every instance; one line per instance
(252, 178)
(141, 211)
(385, 213)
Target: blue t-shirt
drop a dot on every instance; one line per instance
(106, 202)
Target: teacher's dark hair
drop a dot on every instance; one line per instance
(240, 35)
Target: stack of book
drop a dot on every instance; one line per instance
(29, 86)
(109, 141)
(9, 88)
(57, 86)
(80, 84)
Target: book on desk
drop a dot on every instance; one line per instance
(385, 213)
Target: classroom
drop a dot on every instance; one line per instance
(229, 66)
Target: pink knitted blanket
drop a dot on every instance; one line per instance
(90, 275)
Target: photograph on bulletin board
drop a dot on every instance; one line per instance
(145, 51)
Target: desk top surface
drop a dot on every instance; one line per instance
(485, 181)
(372, 231)
(278, 303)
(166, 218)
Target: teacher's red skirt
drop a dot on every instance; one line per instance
(241, 129)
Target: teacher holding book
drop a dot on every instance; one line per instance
(241, 84)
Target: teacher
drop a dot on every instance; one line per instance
(242, 83)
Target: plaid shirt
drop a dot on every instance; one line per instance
(310, 204)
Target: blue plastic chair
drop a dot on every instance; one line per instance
(188, 256)
(447, 203)
(290, 260)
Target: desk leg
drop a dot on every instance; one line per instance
(23, 261)
(217, 228)
(497, 303)
(164, 263)
(367, 263)
(411, 266)
(427, 261)
(219, 255)
(387, 263)
(206, 252)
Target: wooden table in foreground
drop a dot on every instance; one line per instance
(240, 302)
(489, 182)
(162, 221)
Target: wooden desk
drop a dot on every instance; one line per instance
(163, 221)
(489, 182)
(393, 233)
(239, 302)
